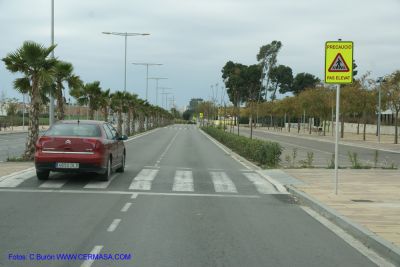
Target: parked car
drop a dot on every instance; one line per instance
(80, 147)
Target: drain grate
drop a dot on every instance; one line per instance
(361, 200)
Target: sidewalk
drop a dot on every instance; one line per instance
(387, 141)
(7, 168)
(370, 198)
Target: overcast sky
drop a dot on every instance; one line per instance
(194, 39)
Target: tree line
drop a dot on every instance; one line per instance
(250, 85)
(43, 75)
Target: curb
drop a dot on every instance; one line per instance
(382, 247)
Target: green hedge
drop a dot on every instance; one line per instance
(264, 153)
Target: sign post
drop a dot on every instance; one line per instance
(338, 70)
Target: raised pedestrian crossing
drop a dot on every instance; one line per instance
(153, 179)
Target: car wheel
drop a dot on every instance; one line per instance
(122, 168)
(42, 175)
(106, 175)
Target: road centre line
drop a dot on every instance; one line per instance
(124, 193)
(166, 149)
(113, 225)
(134, 195)
(95, 251)
(126, 207)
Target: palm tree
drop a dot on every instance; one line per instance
(131, 104)
(104, 103)
(32, 60)
(64, 74)
(118, 106)
(88, 95)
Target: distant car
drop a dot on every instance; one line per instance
(79, 147)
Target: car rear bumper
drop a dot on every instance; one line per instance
(83, 167)
(87, 163)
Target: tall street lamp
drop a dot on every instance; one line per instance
(157, 79)
(51, 96)
(126, 34)
(163, 93)
(166, 99)
(147, 73)
(380, 81)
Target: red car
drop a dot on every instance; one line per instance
(80, 146)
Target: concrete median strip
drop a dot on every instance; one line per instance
(382, 247)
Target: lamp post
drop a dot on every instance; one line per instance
(166, 99)
(380, 81)
(157, 79)
(147, 73)
(163, 93)
(51, 102)
(126, 34)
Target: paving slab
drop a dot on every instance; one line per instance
(370, 198)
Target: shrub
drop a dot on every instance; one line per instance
(262, 152)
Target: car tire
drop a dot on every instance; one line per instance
(106, 175)
(122, 168)
(42, 175)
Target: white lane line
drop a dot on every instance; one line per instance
(143, 180)
(262, 185)
(16, 179)
(54, 183)
(100, 184)
(222, 183)
(141, 135)
(126, 207)
(134, 195)
(369, 253)
(113, 225)
(95, 251)
(183, 181)
(166, 149)
(53, 191)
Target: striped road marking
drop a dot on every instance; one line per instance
(183, 181)
(100, 184)
(95, 251)
(143, 180)
(13, 180)
(53, 183)
(262, 185)
(222, 183)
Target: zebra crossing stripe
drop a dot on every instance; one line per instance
(262, 185)
(53, 183)
(14, 180)
(100, 184)
(222, 183)
(183, 181)
(143, 180)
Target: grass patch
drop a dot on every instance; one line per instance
(264, 153)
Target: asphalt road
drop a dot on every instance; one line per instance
(323, 151)
(182, 201)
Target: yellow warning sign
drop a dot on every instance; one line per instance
(339, 62)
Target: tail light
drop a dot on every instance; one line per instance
(97, 145)
(41, 141)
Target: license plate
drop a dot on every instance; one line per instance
(67, 165)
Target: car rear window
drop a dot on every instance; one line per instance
(84, 130)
